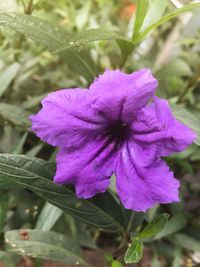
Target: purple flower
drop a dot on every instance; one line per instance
(114, 128)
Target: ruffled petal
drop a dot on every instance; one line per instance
(122, 95)
(66, 118)
(142, 180)
(155, 125)
(88, 168)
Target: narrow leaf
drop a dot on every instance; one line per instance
(154, 13)
(134, 252)
(92, 35)
(165, 18)
(142, 7)
(48, 217)
(44, 245)
(19, 147)
(34, 151)
(154, 227)
(175, 224)
(3, 210)
(35, 28)
(52, 37)
(7, 77)
(37, 175)
(14, 114)
(187, 242)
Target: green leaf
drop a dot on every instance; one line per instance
(134, 252)
(176, 67)
(154, 13)
(154, 227)
(8, 76)
(175, 224)
(5, 183)
(3, 210)
(187, 242)
(34, 101)
(9, 259)
(126, 48)
(48, 217)
(81, 62)
(35, 28)
(34, 151)
(155, 261)
(37, 175)
(44, 245)
(83, 15)
(52, 37)
(186, 117)
(14, 114)
(164, 19)
(92, 35)
(142, 7)
(19, 147)
(178, 257)
(116, 264)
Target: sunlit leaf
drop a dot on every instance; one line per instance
(142, 7)
(116, 264)
(134, 252)
(155, 11)
(165, 18)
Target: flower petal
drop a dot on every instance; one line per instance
(140, 187)
(67, 119)
(88, 168)
(156, 125)
(127, 93)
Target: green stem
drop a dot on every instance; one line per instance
(123, 62)
(125, 240)
(190, 86)
(29, 9)
(130, 223)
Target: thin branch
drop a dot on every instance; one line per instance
(190, 86)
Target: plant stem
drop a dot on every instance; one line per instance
(130, 223)
(125, 240)
(190, 86)
(29, 9)
(124, 59)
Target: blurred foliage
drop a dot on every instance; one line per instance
(47, 45)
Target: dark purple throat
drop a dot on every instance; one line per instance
(117, 131)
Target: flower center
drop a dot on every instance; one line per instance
(117, 131)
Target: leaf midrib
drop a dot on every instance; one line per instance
(115, 223)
